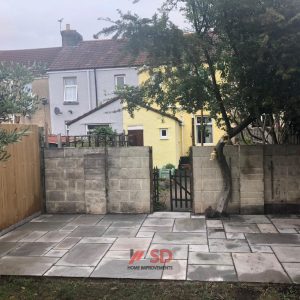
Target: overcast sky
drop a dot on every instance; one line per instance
(34, 23)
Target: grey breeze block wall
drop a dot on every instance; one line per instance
(265, 178)
(86, 180)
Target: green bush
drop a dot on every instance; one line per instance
(169, 167)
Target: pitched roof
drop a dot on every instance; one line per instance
(96, 54)
(115, 99)
(92, 111)
(29, 56)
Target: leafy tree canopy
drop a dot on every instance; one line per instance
(239, 59)
(16, 98)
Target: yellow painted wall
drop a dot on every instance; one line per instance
(180, 137)
(164, 151)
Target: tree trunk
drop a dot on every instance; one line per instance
(226, 191)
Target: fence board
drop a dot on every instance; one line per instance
(20, 178)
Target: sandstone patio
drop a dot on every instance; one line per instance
(248, 248)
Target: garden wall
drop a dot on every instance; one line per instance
(98, 181)
(266, 179)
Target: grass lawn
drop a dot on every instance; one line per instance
(43, 288)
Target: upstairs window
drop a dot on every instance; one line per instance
(119, 82)
(70, 89)
(206, 133)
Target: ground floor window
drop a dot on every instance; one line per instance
(91, 128)
(163, 132)
(204, 134)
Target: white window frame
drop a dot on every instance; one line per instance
(95, 124)
(162, 137)
(116, 80)
(196, 130)
(70, 86)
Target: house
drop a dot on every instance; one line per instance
(80, 84)
(39, 86)
(83, 77)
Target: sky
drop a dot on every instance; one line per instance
(26, 24)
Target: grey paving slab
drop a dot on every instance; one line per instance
(158, 222)
(178, 251)
(216, 233)
(55, 218)
(123, 254)
(5, 247)
(273, 239)
(261, 219)
(197, 216)
(200, 258)
(222, 245)
(156, 229)
(117, 268)
(87, 220)
(198, 248)
(84, 255)
(33, 236)
(69, 227)
(53, 237)
(121, 232)
(189, 225)
(235, 236)
(14, 236)
(131, 243)
(126, 224)
(287, 254)
(171, 215)
(267, 228)
(293, 270)
(32, 249)
(241, 227)
(261, 249)
(259, 267)
(211, 273)
(56, 253)
(287, 230)
(88, 231)
(176, 270)
(214, 224)
(25, 266)
(180, 238)
(67, 243)
(62, 271)
(124, 217)
(41, 226)
(146, 234)
(97, 240)
(287, 223)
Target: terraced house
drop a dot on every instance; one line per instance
(80, 84)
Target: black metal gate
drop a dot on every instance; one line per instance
(181, 190)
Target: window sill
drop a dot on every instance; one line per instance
(71, 103)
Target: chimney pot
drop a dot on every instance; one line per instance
(68, 27)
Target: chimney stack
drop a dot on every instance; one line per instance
(70, 38)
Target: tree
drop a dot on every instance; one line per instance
(238, 60)
(15, 99)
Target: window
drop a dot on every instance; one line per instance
(70, 89)
(163, 133)
(119, 82)
(91, 127)
(206, 133)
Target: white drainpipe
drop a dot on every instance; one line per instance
(89, 89)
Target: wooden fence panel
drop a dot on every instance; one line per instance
(20, 178)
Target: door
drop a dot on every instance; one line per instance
(136, 137)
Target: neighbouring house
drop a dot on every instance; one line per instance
(39, 86)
